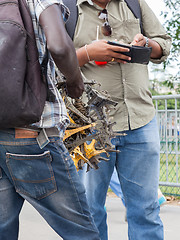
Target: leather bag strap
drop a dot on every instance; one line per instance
(71, 23)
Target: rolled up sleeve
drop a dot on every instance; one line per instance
(41, 5)
(165, 45)
(154, 30)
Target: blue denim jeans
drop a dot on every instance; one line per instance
(115, 186)
(48, 180)
(137, 166)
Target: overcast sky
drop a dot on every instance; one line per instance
(157, 6)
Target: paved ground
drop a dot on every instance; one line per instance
(33, 227)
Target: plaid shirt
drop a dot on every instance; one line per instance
(54, 114)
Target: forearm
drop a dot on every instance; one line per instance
(62, 49)
(66, 60)
(58, 42)
(156, 49)
(140, 40)
(83, 56)
(101, 51)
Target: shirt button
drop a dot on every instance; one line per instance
(125, 99)
(124, 79)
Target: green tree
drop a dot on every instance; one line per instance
(172, 25)
(170, 78)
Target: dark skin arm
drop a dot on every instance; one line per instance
(102, 51)
(139, 40)
(62, 49)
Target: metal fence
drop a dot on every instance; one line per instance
(168, 117)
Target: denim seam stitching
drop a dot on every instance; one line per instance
(67, 168)
(24, 192)
(65, 162)
(131, 181)
(19, 143)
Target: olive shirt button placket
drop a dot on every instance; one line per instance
(124, 85)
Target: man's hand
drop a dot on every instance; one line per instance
(102, 51)
(139, 40)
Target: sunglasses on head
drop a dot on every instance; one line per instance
(106, 28)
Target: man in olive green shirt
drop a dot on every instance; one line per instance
(137, 164)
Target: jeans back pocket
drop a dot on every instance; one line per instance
(32, 174)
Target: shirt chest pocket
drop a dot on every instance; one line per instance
(126, 30)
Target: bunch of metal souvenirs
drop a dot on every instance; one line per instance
(90, 131)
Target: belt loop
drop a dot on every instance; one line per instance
(42, 139)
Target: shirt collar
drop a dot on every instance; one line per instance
(79, 2)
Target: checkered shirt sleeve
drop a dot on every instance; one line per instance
(54, 114)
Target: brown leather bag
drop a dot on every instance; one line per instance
(23, 89)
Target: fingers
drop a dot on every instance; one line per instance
(120, 60)
(119, 49)
(121, 57)
(102, 51)
(138, 40)
(119, 53)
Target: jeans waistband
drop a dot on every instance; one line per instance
(41, 135)
(44, 134)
